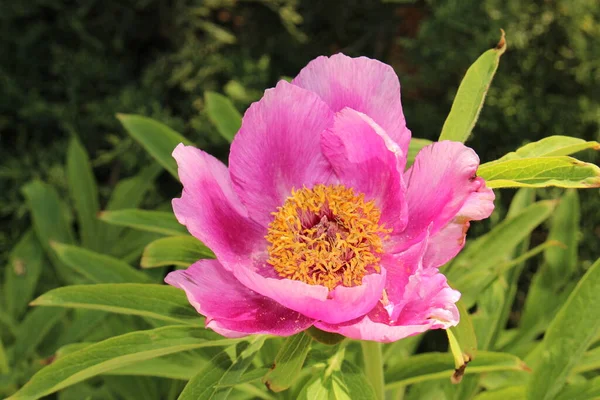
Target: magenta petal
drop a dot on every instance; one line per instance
(363, 84)
(440, 182)
(429, 304)
(315, 301)
(210, 209)
(232, 309)
(364, 157)
(277, 149)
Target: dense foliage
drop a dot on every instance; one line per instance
(69, 68)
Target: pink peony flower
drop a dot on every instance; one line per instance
(315, 222)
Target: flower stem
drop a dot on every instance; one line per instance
(374, 366)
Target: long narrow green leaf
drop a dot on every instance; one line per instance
(180, 251)
(49, 221)
(130, 192)
(589, 390)
(568, 336)
(465, 334)
(162, 222)
(559, 171)
(511, 392)
(161, 302)
(471, 94)
(201, 388)
(414, 147)
(34, 329)
(84, 192)
(223, 114)
(431, 366)
(22, 273)
(116, 352)
(551, 146)
(4, 366)
(288, 363)
(181, 366)
(159, 140)
(98, 268)
(589, 362)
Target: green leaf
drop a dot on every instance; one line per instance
(431, 366)
(560, 171)
(206, 385)
(181, 366)
(22, 273)
(96, 267)
(472, 269)
(223, 114)
(551, 146)
(351, 384)
(562, 262)
(288, 362)
(84, 192)
(50, 224)
(116, 352)
(589, 362)
(159, 140)
(589, 390)
(511, 392)
(414, 147)
(33, 330)
(161, 302)
(4, 366)
(568, 336)
(318, 388)
(181, 251)
(130, 192)
(162, 222)
(471, 95)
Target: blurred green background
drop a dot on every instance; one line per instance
(69, 66)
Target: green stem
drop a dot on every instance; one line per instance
(374, 366)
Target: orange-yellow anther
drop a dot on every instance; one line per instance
(327, 235)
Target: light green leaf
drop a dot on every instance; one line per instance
(288, 363)
(22, 273)
(471, 95)
(223, 114)
(414, 147)
(562, 262)
(472, 268)
(159, 140)
(161, 302)
(318, 388)
(50, 224)
(116, 352)
(589, 390)
(181, 251)
(4, 366)
(551, 146)
(511, 392)
(568, 336)
(33, 330)
(431, 366)
(130, 192)
(84, 192)
(589, 362)
(162, 222)
(351, 384)
(560, 171)
(181, 366)
(96, 267)
(132, 243)
(206, 384)
(219, 33)
(465, 334)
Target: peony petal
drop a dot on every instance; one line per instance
(277, 149)
(315, 301)
(365, 158)
(210, 209)
(441, 181)
(363, 84)
(429, 304)
(446, 244)
(232, 309)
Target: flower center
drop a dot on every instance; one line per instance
(326, 236)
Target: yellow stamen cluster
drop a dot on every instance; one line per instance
(326, 236)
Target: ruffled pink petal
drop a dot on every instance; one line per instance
(429, 304)
(315, 301)
(363, 84)
(277, 149)
(365, 158)
(232, 309)
(441, 181)
(210, 209)
(448, 242)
